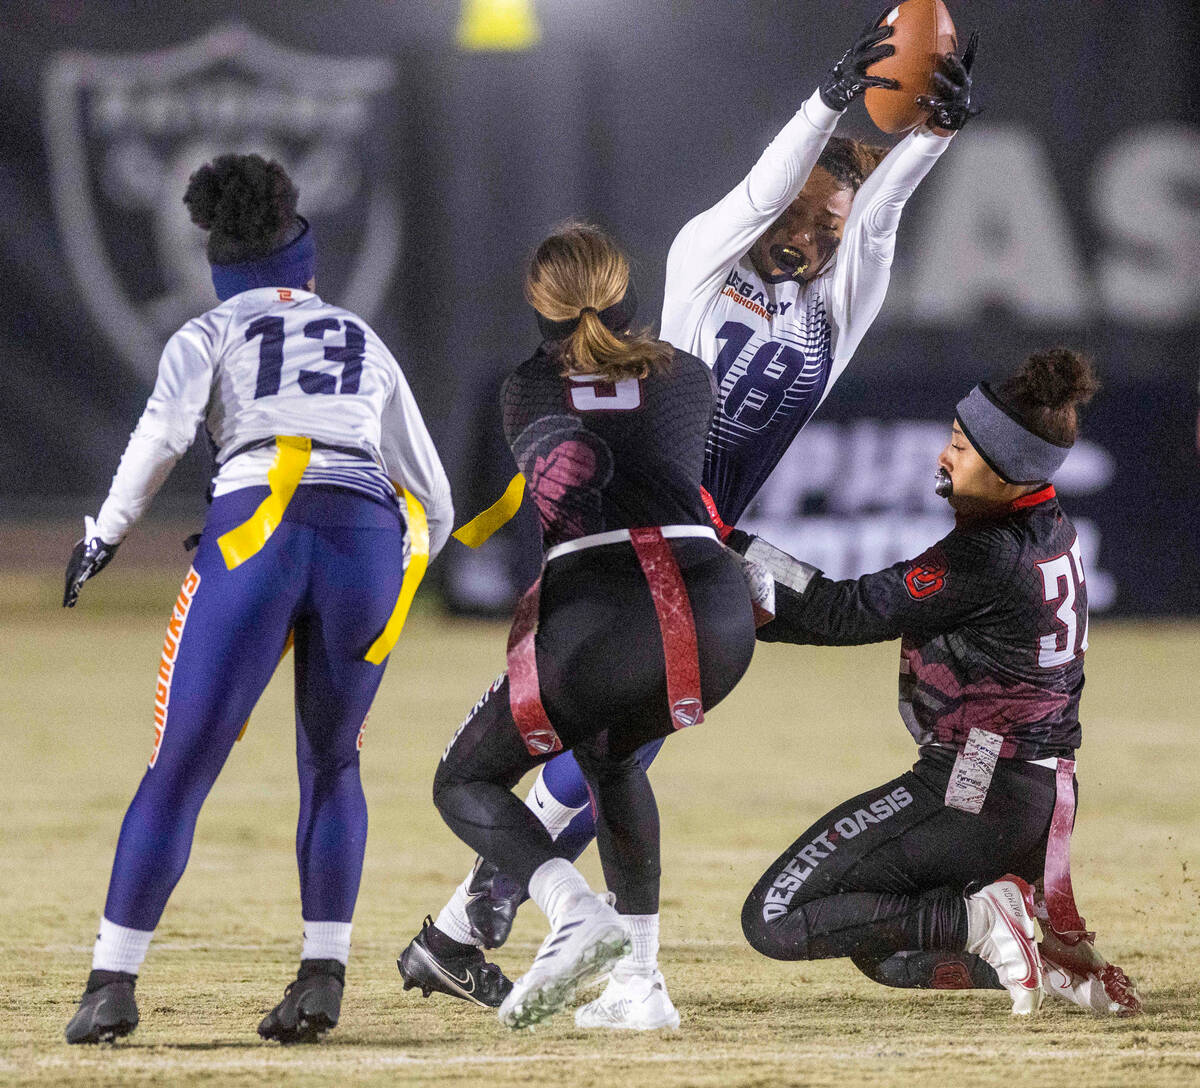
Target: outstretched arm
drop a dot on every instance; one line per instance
(706, 248)
(860, 279)
(164, 432)
(949, 584)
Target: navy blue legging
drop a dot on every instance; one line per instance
(330, 573)
(564, 780)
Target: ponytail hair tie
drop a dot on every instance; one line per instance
(616, 318)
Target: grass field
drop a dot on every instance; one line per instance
(806, 729)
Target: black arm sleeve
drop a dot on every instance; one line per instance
(958, 579)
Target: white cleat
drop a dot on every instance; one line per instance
(1000, 930)
(633, 1000)
(591, 937)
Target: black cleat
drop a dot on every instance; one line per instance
(492, 902)
(107, 1009)
(468, 976)
(310, 1005)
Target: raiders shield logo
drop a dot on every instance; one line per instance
(125, 131)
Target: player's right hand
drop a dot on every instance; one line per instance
(91, 556)
(848, 79)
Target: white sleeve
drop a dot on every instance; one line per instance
(709, 245)
(412, 461)
(864, 259)
(165, 431)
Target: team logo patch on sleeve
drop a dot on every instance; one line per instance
(926, 577)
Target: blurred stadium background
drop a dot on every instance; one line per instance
(434, 144)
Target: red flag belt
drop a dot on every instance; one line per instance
(1063, 914)
(676, 625)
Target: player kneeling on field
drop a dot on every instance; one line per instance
(927, 880)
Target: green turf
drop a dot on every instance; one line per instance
(806, 729)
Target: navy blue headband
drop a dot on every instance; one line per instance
(292, 266)
(1010, 449)
(616, 318)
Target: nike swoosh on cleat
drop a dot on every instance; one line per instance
(540, 802)
(466, 982)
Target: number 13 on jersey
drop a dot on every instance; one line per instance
(270, 356)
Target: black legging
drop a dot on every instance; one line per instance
(603, 683)
(885, 873)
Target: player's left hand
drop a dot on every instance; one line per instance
(91, 556)
(950, 108)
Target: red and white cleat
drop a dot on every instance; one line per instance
(1000, 930)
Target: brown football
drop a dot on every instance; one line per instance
(921, 31)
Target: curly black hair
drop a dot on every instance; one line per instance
(1048, 390)
(850, 162)
(247, 204)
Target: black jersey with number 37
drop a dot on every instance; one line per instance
(993, 621)
(600, 455)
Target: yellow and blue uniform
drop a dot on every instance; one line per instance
(328, 490)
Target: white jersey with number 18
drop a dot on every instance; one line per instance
(777, 348)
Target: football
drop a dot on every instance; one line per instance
(922, 30)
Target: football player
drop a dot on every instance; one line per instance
(773, 287)
(639, 623)
(927, 880)
(315, 433)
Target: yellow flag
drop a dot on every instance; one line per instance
(483, 525)
(246, 540)
(418, 560)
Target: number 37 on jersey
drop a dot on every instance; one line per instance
(1062, 586)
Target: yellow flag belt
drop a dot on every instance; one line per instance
(244, 541)
(418, 560)
(483, 525)
(291, 459)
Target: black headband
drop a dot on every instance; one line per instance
(616, 318)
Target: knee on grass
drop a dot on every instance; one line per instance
(778, 936)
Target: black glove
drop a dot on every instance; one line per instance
(849, 77)
(91, 556)
(951, 107)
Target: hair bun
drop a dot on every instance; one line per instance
(246, 203)
(1058, 379)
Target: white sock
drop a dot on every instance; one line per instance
(119, 948)
(643, 928)
(453, 919)
(979, 923)
(553, 883)
(327, 941)
(554, 815)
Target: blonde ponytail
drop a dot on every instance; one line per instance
(575, 274)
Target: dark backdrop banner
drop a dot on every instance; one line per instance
(435, 143)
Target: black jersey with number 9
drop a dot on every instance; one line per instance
(599, 455)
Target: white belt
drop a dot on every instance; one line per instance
(616, 536)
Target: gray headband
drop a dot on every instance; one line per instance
(1011, 450)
